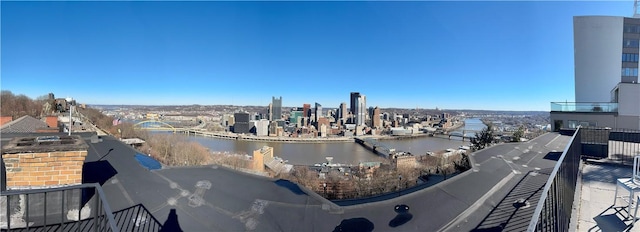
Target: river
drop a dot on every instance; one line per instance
(344, 153)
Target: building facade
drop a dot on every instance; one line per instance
(241, 125)
(276, 104)
(361, 110)
(353, 97)
(318, 112)
(607, 93)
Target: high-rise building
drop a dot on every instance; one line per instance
(270, 111)
(318, 112)
(262, 127)
(294, 117)
(605, 54)
(354, 97)
(241, 125)
(375, 119)
(306, 112)
(343, 112)
(360, 110)
(277, 108)
(606, 64)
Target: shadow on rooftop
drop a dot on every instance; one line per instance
(355, 225)
(294, 188)
(553, 156)
(517, 207)
(96, 172)
(136, 218)
(171, 224)
(403, 216)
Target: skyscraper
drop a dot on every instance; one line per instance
(241, 124)
(377, 123)
(342, 112)
(270, 111)
(361, 110)
(354, 97)
(306, 111)
(277, 108)
(318, 112)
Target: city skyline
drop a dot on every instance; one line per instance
(448, 55)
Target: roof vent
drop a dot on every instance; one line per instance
(47, 139)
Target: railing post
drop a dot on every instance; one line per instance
(62, 211)
(95, 209)
(8, 212)
(26, 219)
(45, 209)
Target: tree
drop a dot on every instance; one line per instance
(463, 164)
(518, 134)
(483, 139)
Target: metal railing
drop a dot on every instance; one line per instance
(609, 107)
(616, 145)
(553, 212)
(71, 208)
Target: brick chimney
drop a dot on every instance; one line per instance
(44, 162)
(52, 121)
(5, 119)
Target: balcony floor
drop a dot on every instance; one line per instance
(595, 210)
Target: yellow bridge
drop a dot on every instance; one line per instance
(154, 125)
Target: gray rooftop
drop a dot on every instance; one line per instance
(214, 198)
(24, 124)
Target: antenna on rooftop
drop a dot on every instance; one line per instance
(635, 9)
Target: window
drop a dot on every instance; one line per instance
(573, 124)
(630, 43)
(629, 72)
(629, 57)
(632, 28)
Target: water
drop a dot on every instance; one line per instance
(471, 124)
(344, 152)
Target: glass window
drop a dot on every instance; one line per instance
(629, 72)
(629, 57)
(572, 124)
(631, 28)
(630, 43)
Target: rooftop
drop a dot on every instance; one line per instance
(217, 198)
(24, 124)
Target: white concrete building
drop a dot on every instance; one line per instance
(262, 127)
(607, 93)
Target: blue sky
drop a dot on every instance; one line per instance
(452, 55)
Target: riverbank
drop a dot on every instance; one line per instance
(254, 138)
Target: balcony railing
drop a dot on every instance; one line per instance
(587, 107)
(553, 212)
(72, 208)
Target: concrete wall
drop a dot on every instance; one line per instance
(629, 99)
(597, 56)
(628, 122)
(602, 119)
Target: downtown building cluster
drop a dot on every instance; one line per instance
(316, 121)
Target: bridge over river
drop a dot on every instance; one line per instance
(375, 146)
(464, 134)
